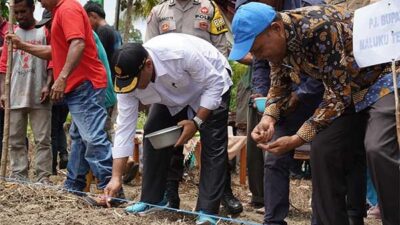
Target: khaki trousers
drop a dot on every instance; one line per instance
(40, 121)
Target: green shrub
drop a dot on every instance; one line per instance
(238, 70)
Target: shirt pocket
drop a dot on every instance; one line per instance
(167, 26)
(178, 83)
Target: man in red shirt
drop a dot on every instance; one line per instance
(80, 78)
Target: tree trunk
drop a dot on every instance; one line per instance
(117, 11)
(128, 21)
(7, 94)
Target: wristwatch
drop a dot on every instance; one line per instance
(198, 122)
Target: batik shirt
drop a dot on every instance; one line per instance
(319, 44)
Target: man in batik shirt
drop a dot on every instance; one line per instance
(317, 41)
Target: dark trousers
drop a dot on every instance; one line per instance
(255, 159)
(338, 170)
(383, 157)
(277, 167)
(59, 114)
(176, 169)
(214, 141)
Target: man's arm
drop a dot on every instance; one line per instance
(190, 127)
(41, 51)
(204, 73)
(279, 92)
(218, 30)
(45, 89)
(152, 25)
(277, 101)
(329, 50)
(128, 106)
(74, 56)
(213, 83)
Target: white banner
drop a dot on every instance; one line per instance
(376, 33)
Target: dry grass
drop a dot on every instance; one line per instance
(36, 205)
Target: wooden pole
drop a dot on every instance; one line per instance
(396, 99)
(117, 12)
(6, 134)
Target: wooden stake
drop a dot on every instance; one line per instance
(117, 12)
(6, 133)
(396, 99)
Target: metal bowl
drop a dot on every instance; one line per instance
(165, 137)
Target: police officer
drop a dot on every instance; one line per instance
(203, 19)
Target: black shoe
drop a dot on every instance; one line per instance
(353, 220)
(172, 194)
(231, 203)
(63, 161)
(256, 205)
(296, 176)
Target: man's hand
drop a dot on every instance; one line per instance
(282, 144)
(44, 94)
(264, 130)
(189, 129)
(112, 189)
(16, 41)
(57, 90)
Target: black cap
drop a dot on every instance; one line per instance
(46, 17)
(127, 62)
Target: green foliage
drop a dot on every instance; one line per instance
(4, 9)
(239, 70)
(101, 2)
(141, 8)
(134, 34)
(141, 120)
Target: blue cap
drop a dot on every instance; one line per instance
(249, 21)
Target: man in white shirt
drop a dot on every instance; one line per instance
(188, 82)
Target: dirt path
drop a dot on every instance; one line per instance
(33, 205)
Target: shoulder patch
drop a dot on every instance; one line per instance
(218, 25)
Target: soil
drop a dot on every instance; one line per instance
(32, 204)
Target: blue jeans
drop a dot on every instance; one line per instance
(90, 148)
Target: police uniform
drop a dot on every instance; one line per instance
(201, 18)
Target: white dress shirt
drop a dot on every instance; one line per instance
(189, 72)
